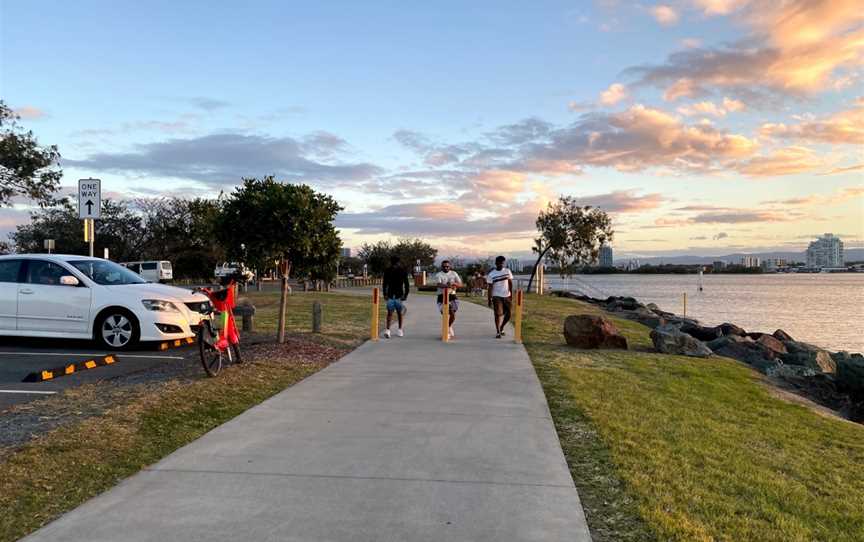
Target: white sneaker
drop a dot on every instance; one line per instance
(387, 333)
(399, 333)
(452, 335)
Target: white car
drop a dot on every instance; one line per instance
(76, 297)
(228, 269)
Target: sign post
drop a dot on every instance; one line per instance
(49, 245)
(89, 207)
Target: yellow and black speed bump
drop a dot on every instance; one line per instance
(72, 368)
(176, 343)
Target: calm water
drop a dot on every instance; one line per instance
(823, 309)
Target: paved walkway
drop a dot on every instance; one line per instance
(407, 439)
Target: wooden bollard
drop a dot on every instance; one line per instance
(375, 303)
(445, 315)
(517, 317)
(317, 314)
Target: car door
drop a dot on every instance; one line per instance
(10, 272)
(46, 305)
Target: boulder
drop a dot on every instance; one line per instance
(781, 335)
(644, 316)
(700, 332)
(622, 304)
(731, 329)
(807, 355)
(591, 332)
(850, 373)
(791, 372)
(669, 339)
(652, 307)
(746, 350)
(769, 342)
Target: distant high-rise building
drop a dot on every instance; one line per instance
(826, 251)
(606, 256)
(514, 265)
(719, 265)
(345, 252)
(750, 261)
(774, 264)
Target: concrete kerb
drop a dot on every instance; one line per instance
(68, 369)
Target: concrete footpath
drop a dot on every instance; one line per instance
(407, 439)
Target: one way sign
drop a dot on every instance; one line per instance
(89, 198)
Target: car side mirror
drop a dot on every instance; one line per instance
(68, 280)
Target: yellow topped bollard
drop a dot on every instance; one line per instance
(517, 316)
(445, 315)
(376, 301)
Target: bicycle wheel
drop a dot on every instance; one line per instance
(211, 357)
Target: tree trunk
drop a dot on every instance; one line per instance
(534, 271)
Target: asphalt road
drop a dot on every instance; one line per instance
(19, 357)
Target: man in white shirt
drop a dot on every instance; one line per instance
(448, 279)
(500, 281)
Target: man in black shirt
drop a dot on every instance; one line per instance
(395, 289)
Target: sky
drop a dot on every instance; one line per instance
(702, 126)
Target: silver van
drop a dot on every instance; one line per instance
(152, 271)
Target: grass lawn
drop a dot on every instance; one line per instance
(667, 447)
(59, 470)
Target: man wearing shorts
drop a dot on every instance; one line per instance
(395, 288)
(448, 279)
(500, 281)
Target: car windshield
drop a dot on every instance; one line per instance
(107, 273)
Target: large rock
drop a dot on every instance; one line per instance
(850, 373)
(772, 344)
(807, 355)
(731, 329)
(622, 304)
(644, 316)
(746, 350)
(781, 335)
(591, 332)
(669, 339)
(701, 332)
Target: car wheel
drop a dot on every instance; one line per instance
(117, 329)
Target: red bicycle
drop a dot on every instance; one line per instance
(218, 339)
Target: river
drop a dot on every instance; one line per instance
(825, 309)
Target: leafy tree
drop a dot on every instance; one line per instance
(5, 248)
(26, 169)
(352, 264)
(570, 234)
(182, 231)
(265, 220)
(120, 230)
(376, 256)
(411, 250)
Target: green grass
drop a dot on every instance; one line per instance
(61, 469)
(667, 447)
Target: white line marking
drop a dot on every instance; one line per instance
(29, 391)
(83, 355)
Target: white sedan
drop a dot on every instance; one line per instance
(76, 297)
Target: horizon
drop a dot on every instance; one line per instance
(704, 127)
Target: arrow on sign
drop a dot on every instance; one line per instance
(89, 205)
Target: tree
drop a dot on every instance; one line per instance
(376, 257)
(411, 250)
(119, 230)
(266, 220)
(26, 169)
(5, 248)
(570, 234)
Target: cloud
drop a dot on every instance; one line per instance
(614, 94)
(846, 127)
(224, 159)
(785, 161)
(839, 170)
(28, 112)
(721, 235)
(207, 104)
(794, 47)
(665, 15)
(691, 43)
(623, 201)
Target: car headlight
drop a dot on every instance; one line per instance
(159, 305)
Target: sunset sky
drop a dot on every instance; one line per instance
(704, 126)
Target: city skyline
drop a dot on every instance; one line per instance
(705, 127)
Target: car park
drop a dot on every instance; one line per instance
(77, 297)
(233, 270)
(153, 271)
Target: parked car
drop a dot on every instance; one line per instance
(233, 270)
(76, 297)
(152, 271)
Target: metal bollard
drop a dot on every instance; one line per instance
(317, 317)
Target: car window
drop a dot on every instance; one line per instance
(107, 273)
(9, 270)
(166, 265)
(45, 272)
(148, 266)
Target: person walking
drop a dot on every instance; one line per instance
(500, 292)
(448, 279)
(395, 288)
